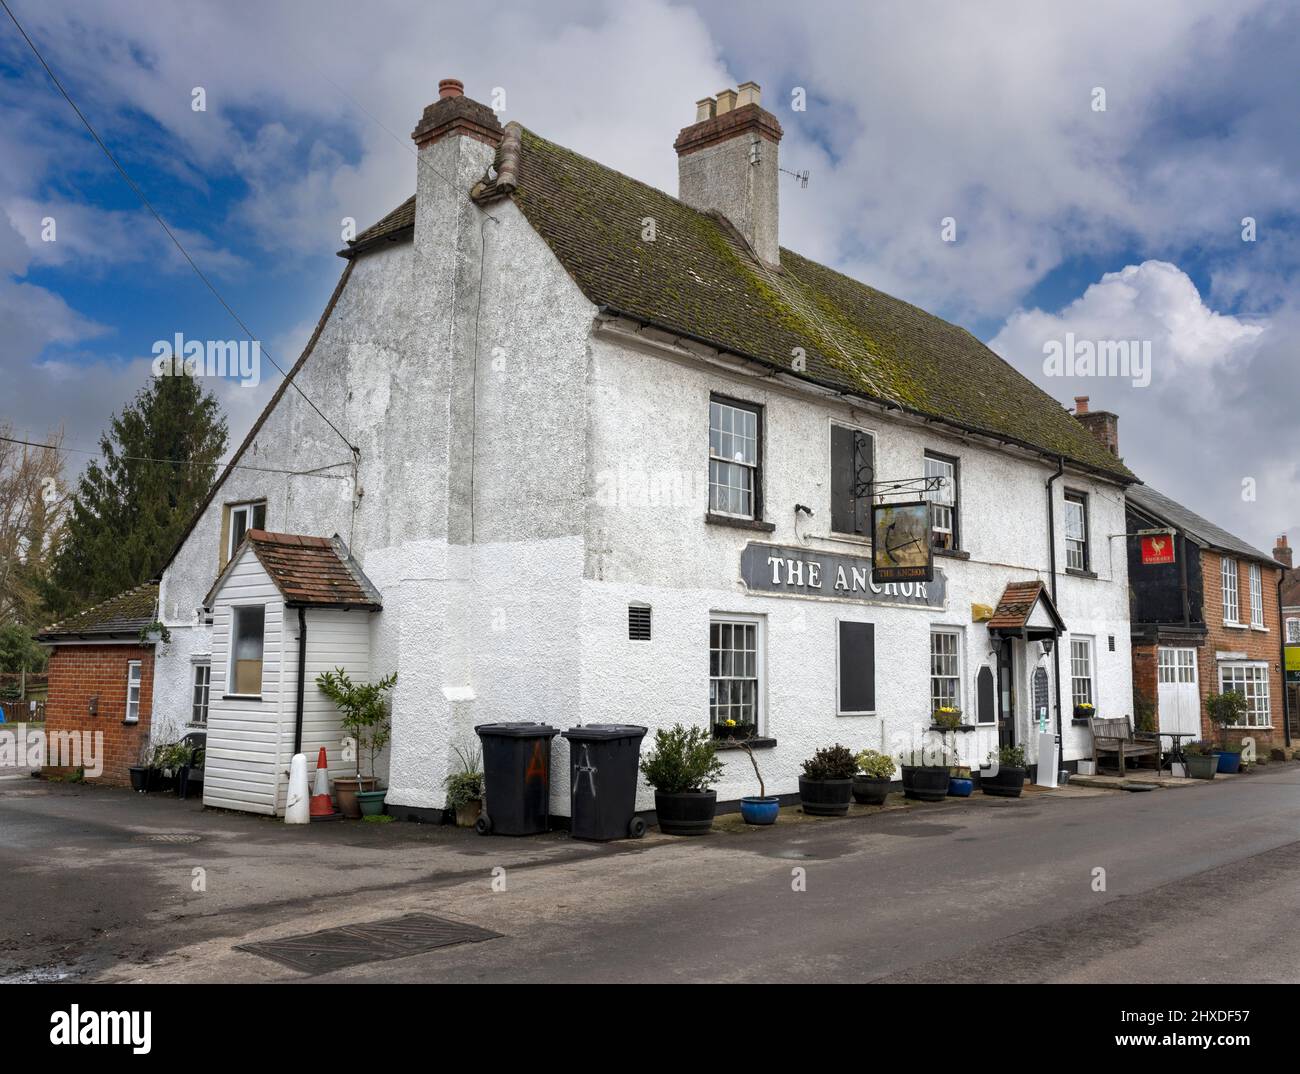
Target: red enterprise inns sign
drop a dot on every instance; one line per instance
(1157, 548)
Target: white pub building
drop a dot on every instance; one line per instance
(615, 458)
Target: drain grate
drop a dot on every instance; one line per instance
(168, 837)
(375, 941)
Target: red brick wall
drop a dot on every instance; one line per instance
(1256, 644)
(77, 672)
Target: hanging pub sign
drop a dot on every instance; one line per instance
(900, 542)
(1157, 548)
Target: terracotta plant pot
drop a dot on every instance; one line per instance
(345, 790)
(467, 814)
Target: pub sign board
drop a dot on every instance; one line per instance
(1157, 548)
(900, 542)
(807, 572)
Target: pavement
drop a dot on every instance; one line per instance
(1078, 884)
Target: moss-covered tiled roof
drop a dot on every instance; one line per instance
(119, 616)
(698, 279)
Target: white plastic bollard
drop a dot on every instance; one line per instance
(297, 806)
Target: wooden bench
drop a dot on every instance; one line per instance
(1116, 736)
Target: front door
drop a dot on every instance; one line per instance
(1007, 693)
(1179, 691)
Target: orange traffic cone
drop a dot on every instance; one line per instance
(322, 806)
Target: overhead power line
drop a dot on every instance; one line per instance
(184, 462)
(163, 223)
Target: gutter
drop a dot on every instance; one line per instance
(887, 404)
(1056, 649)
(302, 680)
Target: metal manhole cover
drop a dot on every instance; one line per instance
(375, 941)
(168, 837)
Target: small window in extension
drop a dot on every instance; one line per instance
(246, 632)
(852, 472)
(638, 622)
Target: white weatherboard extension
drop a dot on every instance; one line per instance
(531, 465)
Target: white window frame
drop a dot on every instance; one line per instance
(206, 687)
(760, 665)
(134, 682)
(1076, 539)
(1089, 676)
(716, 458)
(1175, 664)
(1261, 702)
(1229, 577)
(230, 657)
(1292, 630)
(944, 506)
(246, 509)
(1256, 597)
(957, 677)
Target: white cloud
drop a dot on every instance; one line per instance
(1222, 400)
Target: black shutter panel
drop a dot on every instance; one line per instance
(842, 505)
(857, 667)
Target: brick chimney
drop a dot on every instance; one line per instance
(727, 162)
(1282, 552)
(1103, 424)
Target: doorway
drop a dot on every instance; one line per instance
(1178, 690)
(1007, 692)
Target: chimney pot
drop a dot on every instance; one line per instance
(748, 93)
(704, 109)
(451, 87)
(1081, 404)
(726, 101)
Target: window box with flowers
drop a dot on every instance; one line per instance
(1085, 710)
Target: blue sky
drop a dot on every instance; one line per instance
(1123, 223)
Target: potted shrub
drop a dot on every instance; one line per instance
(871, 783)
(682, 768)
(764, 808)
(1009, 780)
(364, 708)
(465, 788)
(1202, 759)
(826, 786)
(143, 776)
(1226, 710)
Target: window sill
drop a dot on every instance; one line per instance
(1234, 626)
(1259, 629)
(131, 723)
(950, 553)
(964, 728)
(1074, 572)
(753, 744)
(739, 523)
(242, 697)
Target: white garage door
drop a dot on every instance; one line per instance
(1180, 692)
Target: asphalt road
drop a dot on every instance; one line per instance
(1196, 884)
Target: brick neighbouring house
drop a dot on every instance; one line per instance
(1207, 622)
(1291, 631)
(101, 679)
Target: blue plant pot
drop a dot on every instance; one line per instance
(1230, 762)
(760, 810)
(960, 788)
